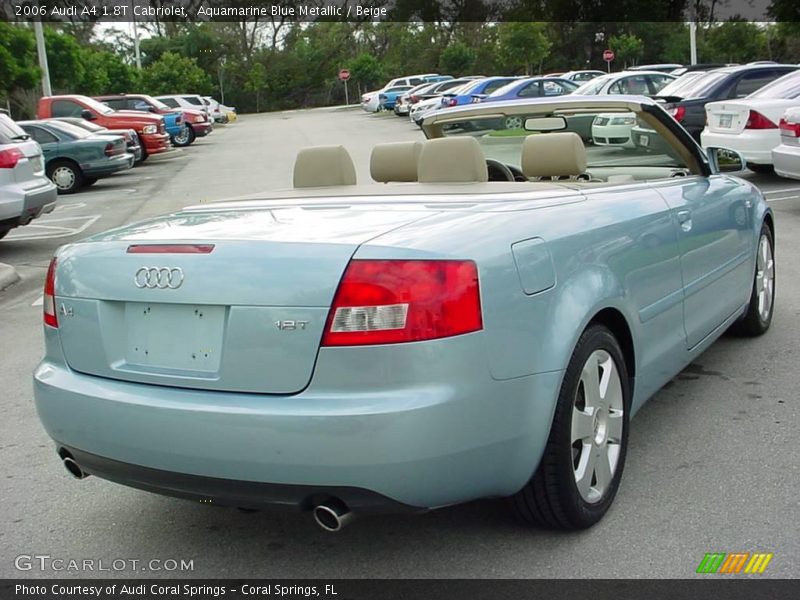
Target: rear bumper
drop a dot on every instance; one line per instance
(754, 145)
(19, 204)
(786, 160)
(109, 166)
(412, 425)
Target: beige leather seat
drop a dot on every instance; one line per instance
(452, 160)
(396, 161)
(547, 155)
(320, 166)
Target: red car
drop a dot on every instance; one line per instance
(150, 128)
(195, 123)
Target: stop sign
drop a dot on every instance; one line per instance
(344, 74)
(608, 55)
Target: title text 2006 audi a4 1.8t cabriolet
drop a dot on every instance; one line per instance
(482, 321)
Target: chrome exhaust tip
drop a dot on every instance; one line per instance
(73, 468)
(332, 515)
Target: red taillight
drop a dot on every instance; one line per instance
(452, 102)
(170, 248)
(413, 99)
(109, 151)
(49, 303)
(758, 121)
(789, 129)
(10, 157)
(395, 301)
(678, 113)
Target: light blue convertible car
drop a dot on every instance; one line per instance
(481, 321)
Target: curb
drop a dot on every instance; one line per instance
(8, 276)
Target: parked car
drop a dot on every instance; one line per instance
(192, 101)
(430, 98)
(374, 103)
(222, 113)
(476, 91)
(404, 100)
(149, 128)
(25, 192)
(75, 158)
(402, 355)
(687, 101)
(638, 83)
(582, 76)
(129, 135)
(412, 80)
(183, 124)
(786, 156)
(750, 125)
(388, 98)
(532, 87)
(613, 129)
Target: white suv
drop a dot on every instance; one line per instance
(25, 191)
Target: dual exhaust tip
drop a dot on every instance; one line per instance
(331, 515)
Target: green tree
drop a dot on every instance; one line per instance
(523, 46)
(734, 41)
(457, 58)
(173, 74)
(18, 68)
(256, 82)
(366, 70)
(627, 47)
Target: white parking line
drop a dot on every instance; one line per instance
(794, 189)
(44, 229)
(782, 198)
(39, 301)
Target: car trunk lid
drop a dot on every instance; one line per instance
(732, 117)
(243, 313)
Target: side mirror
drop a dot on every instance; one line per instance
(725, 160)
(88, 115)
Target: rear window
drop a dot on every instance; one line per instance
(70, 129)
(9, 130)
(785, 88)
(171, 102)
(693, 87)
(193, 100)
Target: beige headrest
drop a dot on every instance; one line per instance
(452, 160)
(553, 155)
(323, 165)
(396, 161)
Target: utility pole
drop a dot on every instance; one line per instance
(42, 52)
(136, 40)
(693, 42)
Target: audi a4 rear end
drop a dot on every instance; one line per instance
(479, 330)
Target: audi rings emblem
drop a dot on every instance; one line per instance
(161, 278)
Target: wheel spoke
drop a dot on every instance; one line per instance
(602, 470)
(582, 425)
(591, 382)
(615, 420)
(585, 470)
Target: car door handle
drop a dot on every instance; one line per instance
(685, 220)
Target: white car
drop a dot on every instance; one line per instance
(369, 100)
(751, 125)
(786, 156)
(613, 129)
(581, 76)
(631, 83)
(192, 101)
(217, 113)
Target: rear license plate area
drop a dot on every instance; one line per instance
(174, 337)
(644, 140)
(726, 121)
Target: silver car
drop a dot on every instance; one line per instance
(25, 191)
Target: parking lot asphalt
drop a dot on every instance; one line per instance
(713, 463)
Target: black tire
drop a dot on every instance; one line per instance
(143, 147)
(87, 181)
(66, 174)
(551, 498)
(3, 233)
(756, 168)
(753, 323)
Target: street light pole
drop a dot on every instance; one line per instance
(41, 50)
(693, 42)
(136, 40)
